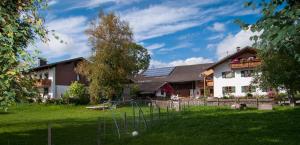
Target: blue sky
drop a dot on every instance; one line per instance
(176, 32)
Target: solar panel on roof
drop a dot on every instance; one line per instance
(158, 72)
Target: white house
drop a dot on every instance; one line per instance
(55, 78)
(234, 74)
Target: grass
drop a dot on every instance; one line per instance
(75, 125)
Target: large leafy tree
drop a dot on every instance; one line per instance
(278, 43)
(20, 25)
(116, 57)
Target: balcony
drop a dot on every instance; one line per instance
(209, 83)
(43, 83)
(246, 64)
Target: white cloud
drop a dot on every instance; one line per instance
(96, 3)
(247, 12)
(219, 36)
(70, 31)
(155, 46)
(230, 42)
(154, 21)
(178, 46)
(173, 16)
(52, 2)
(218, 27)
(211, 46)
(188, 61)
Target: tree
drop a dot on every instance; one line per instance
(20, 25)
(116, 57)
(278, 43)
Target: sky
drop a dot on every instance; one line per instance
(175, 32)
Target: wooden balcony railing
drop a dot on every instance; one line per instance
(247, 64)
(209, 83)
(43, 83)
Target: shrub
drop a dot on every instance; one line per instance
(76, 94)
(280, 97)
(249, 95)
(297, 96)
(57, 101)
(134, 90)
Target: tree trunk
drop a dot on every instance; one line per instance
(291, 98)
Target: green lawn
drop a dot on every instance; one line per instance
(75, 125)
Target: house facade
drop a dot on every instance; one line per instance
(183, 81)
(54, 79)
(234, 74)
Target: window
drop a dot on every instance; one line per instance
(46, 91)
(264, 89)
(162, 92)
(228, 74)
(46, 75)
(228, 89)
(247, 73)
(248, 89)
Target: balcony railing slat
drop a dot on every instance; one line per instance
(249, 64)
(43, 83)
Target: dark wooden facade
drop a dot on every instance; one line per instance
(66, 74)
(183, 88)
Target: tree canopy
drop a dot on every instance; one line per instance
(116, 57)
(20, 25)
(278, 43)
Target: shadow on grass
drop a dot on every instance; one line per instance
(5, 113)
(217, 126)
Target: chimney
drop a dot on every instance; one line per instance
(42, 61)
(238, 49)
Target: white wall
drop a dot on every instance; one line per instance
(237, 81)
(158, 93)
(51, 76)
(60, 90)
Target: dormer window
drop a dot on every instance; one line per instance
(236, 60)
(251, 58)
(46, 75)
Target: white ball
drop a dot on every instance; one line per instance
(135, 133)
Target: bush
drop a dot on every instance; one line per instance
(57, 101)
(76, 94)
(280, 97)
(249, 95)
(297, 96)
(228, 96)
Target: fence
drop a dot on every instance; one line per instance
(138, 117)
(211, 102)
(123, 120)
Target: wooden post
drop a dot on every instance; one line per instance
(168, 112)
(133, 112)
(257, 102)
(104, 128)
(218, 102)
(159, 113)
(179, 105)
(151, 113)
(125, 122)
(204, 83)
(49, 134)
(139, 121)
(98, 132)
